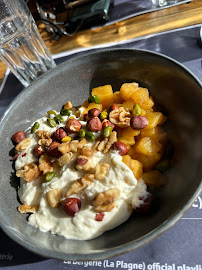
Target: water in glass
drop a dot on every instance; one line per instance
(22, 48)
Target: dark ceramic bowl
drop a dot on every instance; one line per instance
(172, 86)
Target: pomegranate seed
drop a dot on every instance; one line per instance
(99, 216)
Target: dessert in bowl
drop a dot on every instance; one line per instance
(81, 169)
(170, 85)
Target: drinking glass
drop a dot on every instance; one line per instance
(162, 3)
(21, 47)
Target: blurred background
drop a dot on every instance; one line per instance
(66, 17)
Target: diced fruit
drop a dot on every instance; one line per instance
(117, 97)
(134, 165)
(126, 135)
(153, 132)
(132, 152)
(129, 104)
(156, 133)
(154, 119)
(127, 160)
(149, 110)
(91, 106)
(127, 89)
(105, 95)
(128, 147)
(128, 132)
(143, 112)
(147, 146)
(140, 96)
(148, 162)
(148, 104)
(153, 178)
(129, 141)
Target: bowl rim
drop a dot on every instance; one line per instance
(101, 255)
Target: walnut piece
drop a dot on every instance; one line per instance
(102, 145)
(101, 170)
(112, 139)
(45, 142)
(105, 145)
(80, 185)
(23, 144)
(44, 137)
(53, 197)
(42, 134)
(84, 163)
(120, 117)
(72, 146)
(65, 159)
(24, 209)
(95, 146)
(45, 165)
(82, 143)
(106, 201)
(29, 172)
(87, 151)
